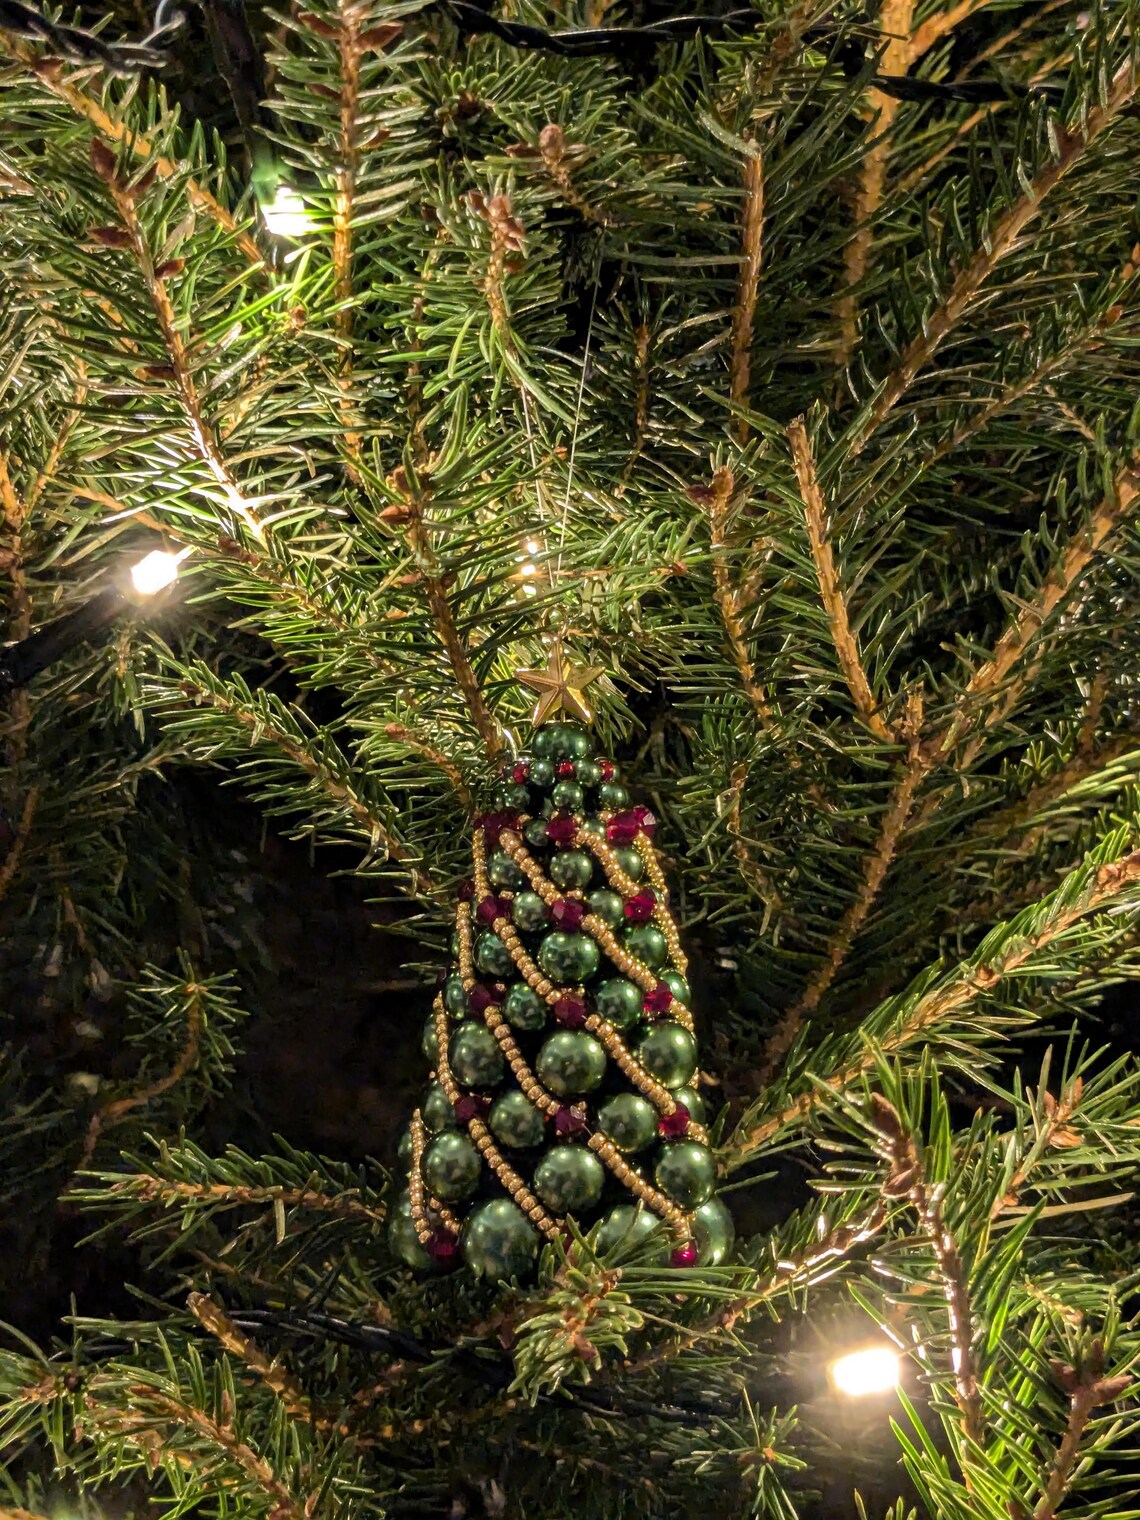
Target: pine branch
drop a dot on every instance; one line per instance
(907, 1179)
(875, 867)
(747, 285)
(236, 1343)
(414, 500)
(117, 134)
(351, 13)
(716, 498)
(148, 1188)
(1002, 238)
(976, 978)
(975, 707)
(894, 24)
(208, 448)
(435, 756)
(940, 25)
(830, 589)
(11, 862)
(116, 1111)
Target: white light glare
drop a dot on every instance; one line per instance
(859, 1373)
(155, 571)
(285, 215)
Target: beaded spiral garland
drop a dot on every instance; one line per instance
(565, 1076)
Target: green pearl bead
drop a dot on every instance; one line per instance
(607, 905)
(536, 834)
(647, 942)
(402, 1238)
(568, 795)
(524, 1008)
(545, 740)
(629, 1121)
(588, 773)
(630, 1227)
(453, 942)
(455, 996)
(404, 1151)
(475, 1057)
(541, 773)
(668, 1052)
(529, 912)
(678, 986)
(502, 872)
(492, 957)
(570, 869)
(569, 1177)
(630, 861)
(568, 958)
(694, 1101)
(687, 1172)
(451, 1166)
(610, 795)
(573, 743)
(437, 1111)
(515, 1121)
(619, 1000)
(571, 1062)
(513, 796)
(594, 826)
(714, 1232)
(499, 1241)
(429, 1044)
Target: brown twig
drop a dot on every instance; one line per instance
(442, 762)
(907, 1179)
(1002, 238)
(875, 867)
(11, 863)
(238, 1344)
(419, 539)
(182, 375)
(897, 58)
(47, 71)
(755, 876)
(717, 499)
(117, 1109)
(974, 707)
(351, 50)
(151, 1189)
(558, 159)
(830, 590)
(939, 25)
(747, 285)
(934, 1007)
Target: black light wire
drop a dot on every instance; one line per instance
(624, 43)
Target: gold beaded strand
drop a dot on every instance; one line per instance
(484, 1142)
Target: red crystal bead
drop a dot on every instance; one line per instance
(622, 828)
(566, 769)
(685, 1256)
(488, 910)
(569, 1121)
(561, 829)
(644, 819)
(673, 1126)
(570, 1012)
(659, 1000)
(493, 825)
(520, 773)
(639, 908)
(471, 1106)
(443, 1247)
(608, 770)
(465, 890)
(567, 913)
(480, 998)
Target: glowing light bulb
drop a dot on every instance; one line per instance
(155, 571)
(285, 215)
(528, 569)
(875, 1369)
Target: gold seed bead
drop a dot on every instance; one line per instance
(511, 1181)
(416, 1182)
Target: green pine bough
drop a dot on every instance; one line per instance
(805, 411)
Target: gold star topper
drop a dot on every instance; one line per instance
(560, 687)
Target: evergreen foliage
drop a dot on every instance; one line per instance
(808, 411)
